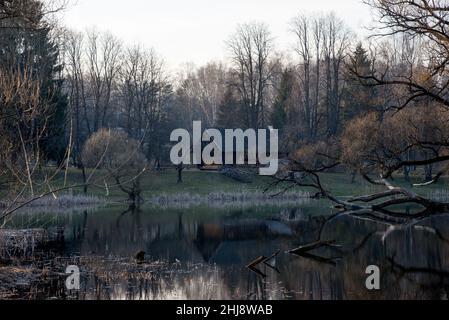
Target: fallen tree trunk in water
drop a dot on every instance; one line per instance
(312, 246)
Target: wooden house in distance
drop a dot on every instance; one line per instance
(225, 153)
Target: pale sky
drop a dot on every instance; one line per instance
(195, 31)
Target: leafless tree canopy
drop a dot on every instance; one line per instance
(322, 46)
(423, 24)
(251, 48)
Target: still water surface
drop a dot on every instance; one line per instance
(203, 253)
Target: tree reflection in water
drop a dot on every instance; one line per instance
(191, 256)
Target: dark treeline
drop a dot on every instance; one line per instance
(377, 105)
(308, 98)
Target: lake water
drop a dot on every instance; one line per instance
(203, 253)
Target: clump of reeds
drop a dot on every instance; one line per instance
(68, 200)
(21, 242)
(220, 199)
(59, 201)
(441, 195)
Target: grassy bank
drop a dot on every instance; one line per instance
(202, 183)
(165, 182)
(155, 184)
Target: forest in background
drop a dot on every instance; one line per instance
(370, 107)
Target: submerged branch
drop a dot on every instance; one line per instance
(373, 197)
(312, 246)
(424, 270)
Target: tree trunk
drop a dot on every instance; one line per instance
(429, 172)
(180, 168)
(407, 174)
(353, 176)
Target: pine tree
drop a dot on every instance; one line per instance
(28, 47)
(230, 112)
(357, 98)
(279, 116)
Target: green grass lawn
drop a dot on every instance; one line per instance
(165, 182)
(202, 182)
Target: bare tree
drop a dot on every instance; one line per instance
(251, 49)
(103, 60)
(210, 85)
(336, 43)
(144, 89)
(424, 20)
(309, 48)
(204, 88)
(74, 53)
(322, 44)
